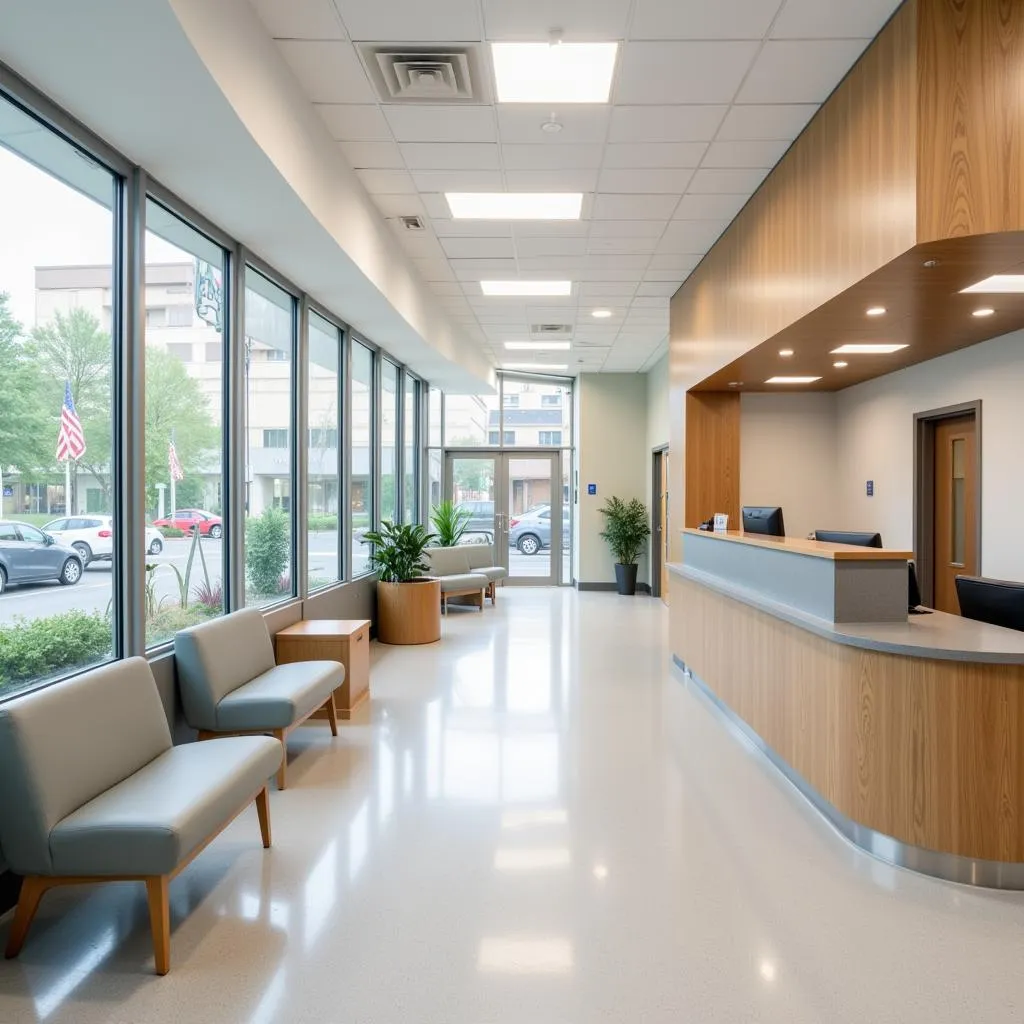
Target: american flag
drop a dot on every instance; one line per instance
(70, 440)
(177, 473)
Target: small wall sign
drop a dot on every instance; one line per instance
(591, 488)
(871, 488)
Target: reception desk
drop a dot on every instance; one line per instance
(906, 732)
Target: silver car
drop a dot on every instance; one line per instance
(530, 531)
(27, 555)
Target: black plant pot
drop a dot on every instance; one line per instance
(625, 579)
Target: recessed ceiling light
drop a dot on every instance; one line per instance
(554, 73)
(735, 383)
(528, 288)
(791, 380)
(876, 311)
(602, 314)
(785, 352)
(841, 365)
(515, 205)
(984, 311)
(536, 366)
(866, 349)
(600, 872)
(537, 346)
(998, 284)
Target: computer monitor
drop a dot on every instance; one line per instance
(862, 540)
(763, 519)
(995, 601)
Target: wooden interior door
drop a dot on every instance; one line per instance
(956, 490)
(663, 525)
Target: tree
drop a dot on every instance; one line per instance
(471, 476)
(27, 439)
(175, 404)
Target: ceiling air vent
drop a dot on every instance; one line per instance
(424, 74)
(412, 223)
(550, 330)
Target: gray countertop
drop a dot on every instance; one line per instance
(939, 635)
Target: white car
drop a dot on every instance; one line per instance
(93, 537)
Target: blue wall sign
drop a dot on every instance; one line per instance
(591, 488)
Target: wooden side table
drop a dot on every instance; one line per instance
(344, 640)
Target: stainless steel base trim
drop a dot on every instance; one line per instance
(950, 867)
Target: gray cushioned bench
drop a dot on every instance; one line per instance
(465, 570)
(93, 791)
(230, 684)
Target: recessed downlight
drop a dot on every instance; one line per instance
(735, 383)
(538, 289)
(857, 349)
(984, 311)
(785, 352)
(791, 380)
(840, 364)
(601, 314)
(876, 311)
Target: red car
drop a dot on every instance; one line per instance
(191, 519)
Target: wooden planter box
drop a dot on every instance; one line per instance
(409, 613)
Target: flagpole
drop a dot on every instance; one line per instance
(67, 488)
(174, 506)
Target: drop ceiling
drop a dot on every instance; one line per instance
(707, 96)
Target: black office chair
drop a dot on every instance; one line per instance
(994, 601)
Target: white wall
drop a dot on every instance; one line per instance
(613, 453)
(876, 442)
(657, 434)
(788, 449)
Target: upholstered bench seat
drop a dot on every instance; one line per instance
(277, 698)
(154, 819)
(463, 582)
(466, 570)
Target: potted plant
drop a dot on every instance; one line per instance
(626, 530)
(449, 521)
(408, 602)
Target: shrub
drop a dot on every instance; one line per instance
(166, 622)
(210, 595)
(320, 524)
(266, 550)
(45, 647)
(172, 531)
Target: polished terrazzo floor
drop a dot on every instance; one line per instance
(534, 822)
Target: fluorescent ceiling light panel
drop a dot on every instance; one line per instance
(541, 367)
(537, 346)
(998, 284)
(515, 205)
(527, 288)
(791, 380)
(554, 72)
(866, 350)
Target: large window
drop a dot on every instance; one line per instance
(270, 315)
(388, 441)
(435, 415)
(58, 507)
(324, 484)
(362, 452)
(184, 428)
(468, 418)
(410, 460)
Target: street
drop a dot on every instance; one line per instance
(94, 591)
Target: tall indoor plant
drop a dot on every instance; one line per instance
(408, 602)
(626, 531)
(449, 521)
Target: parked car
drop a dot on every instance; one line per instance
(93, 537)
(481, 517)
(189, 519)
(27, 555)
(531, 531)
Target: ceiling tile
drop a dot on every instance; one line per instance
(447, 288)
(744, 154)
(832, 19)
(534, 247)
(399, 205)
(711, 206)
(434, 269)
(691, 236)
(766, 121)
(679, 263)
(421, 123)
(578, 20)
(651, 304)
(437, 206)
(329, 72)
(595, 291)
(551, 229)
(574, 180)
(701, 19)
(734, 180)
(654, 154)
(651, 229)
(621, 206)
(478, 248)
(684, 123)
(658, 72)
(799, 72)
(421, 244)
(625, 246)
(554, 157)
(373, 154)
(446, 228)
(300, 19)
(670, 275)
(439, 21)
(457, 181)
(483, 269)
(550, 264)
(355, 122)
(671, 180)
(657, 288)
(581, 123)
(382, 182)
(468, 156)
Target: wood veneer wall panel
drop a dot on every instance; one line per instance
(929, 752)
(712, 456)
(971, 124)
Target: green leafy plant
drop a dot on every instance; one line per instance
(398, 551)
(266, 550)
(626, 528)
(39, 648)
(172, 531)
(450, 522)
(185, 579)
(319, 524)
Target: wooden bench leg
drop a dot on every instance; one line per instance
(263, 811)
(279, 734)
(160, 920)
(32, 889)
(493, 590)
(332, 714)
(480, 600)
